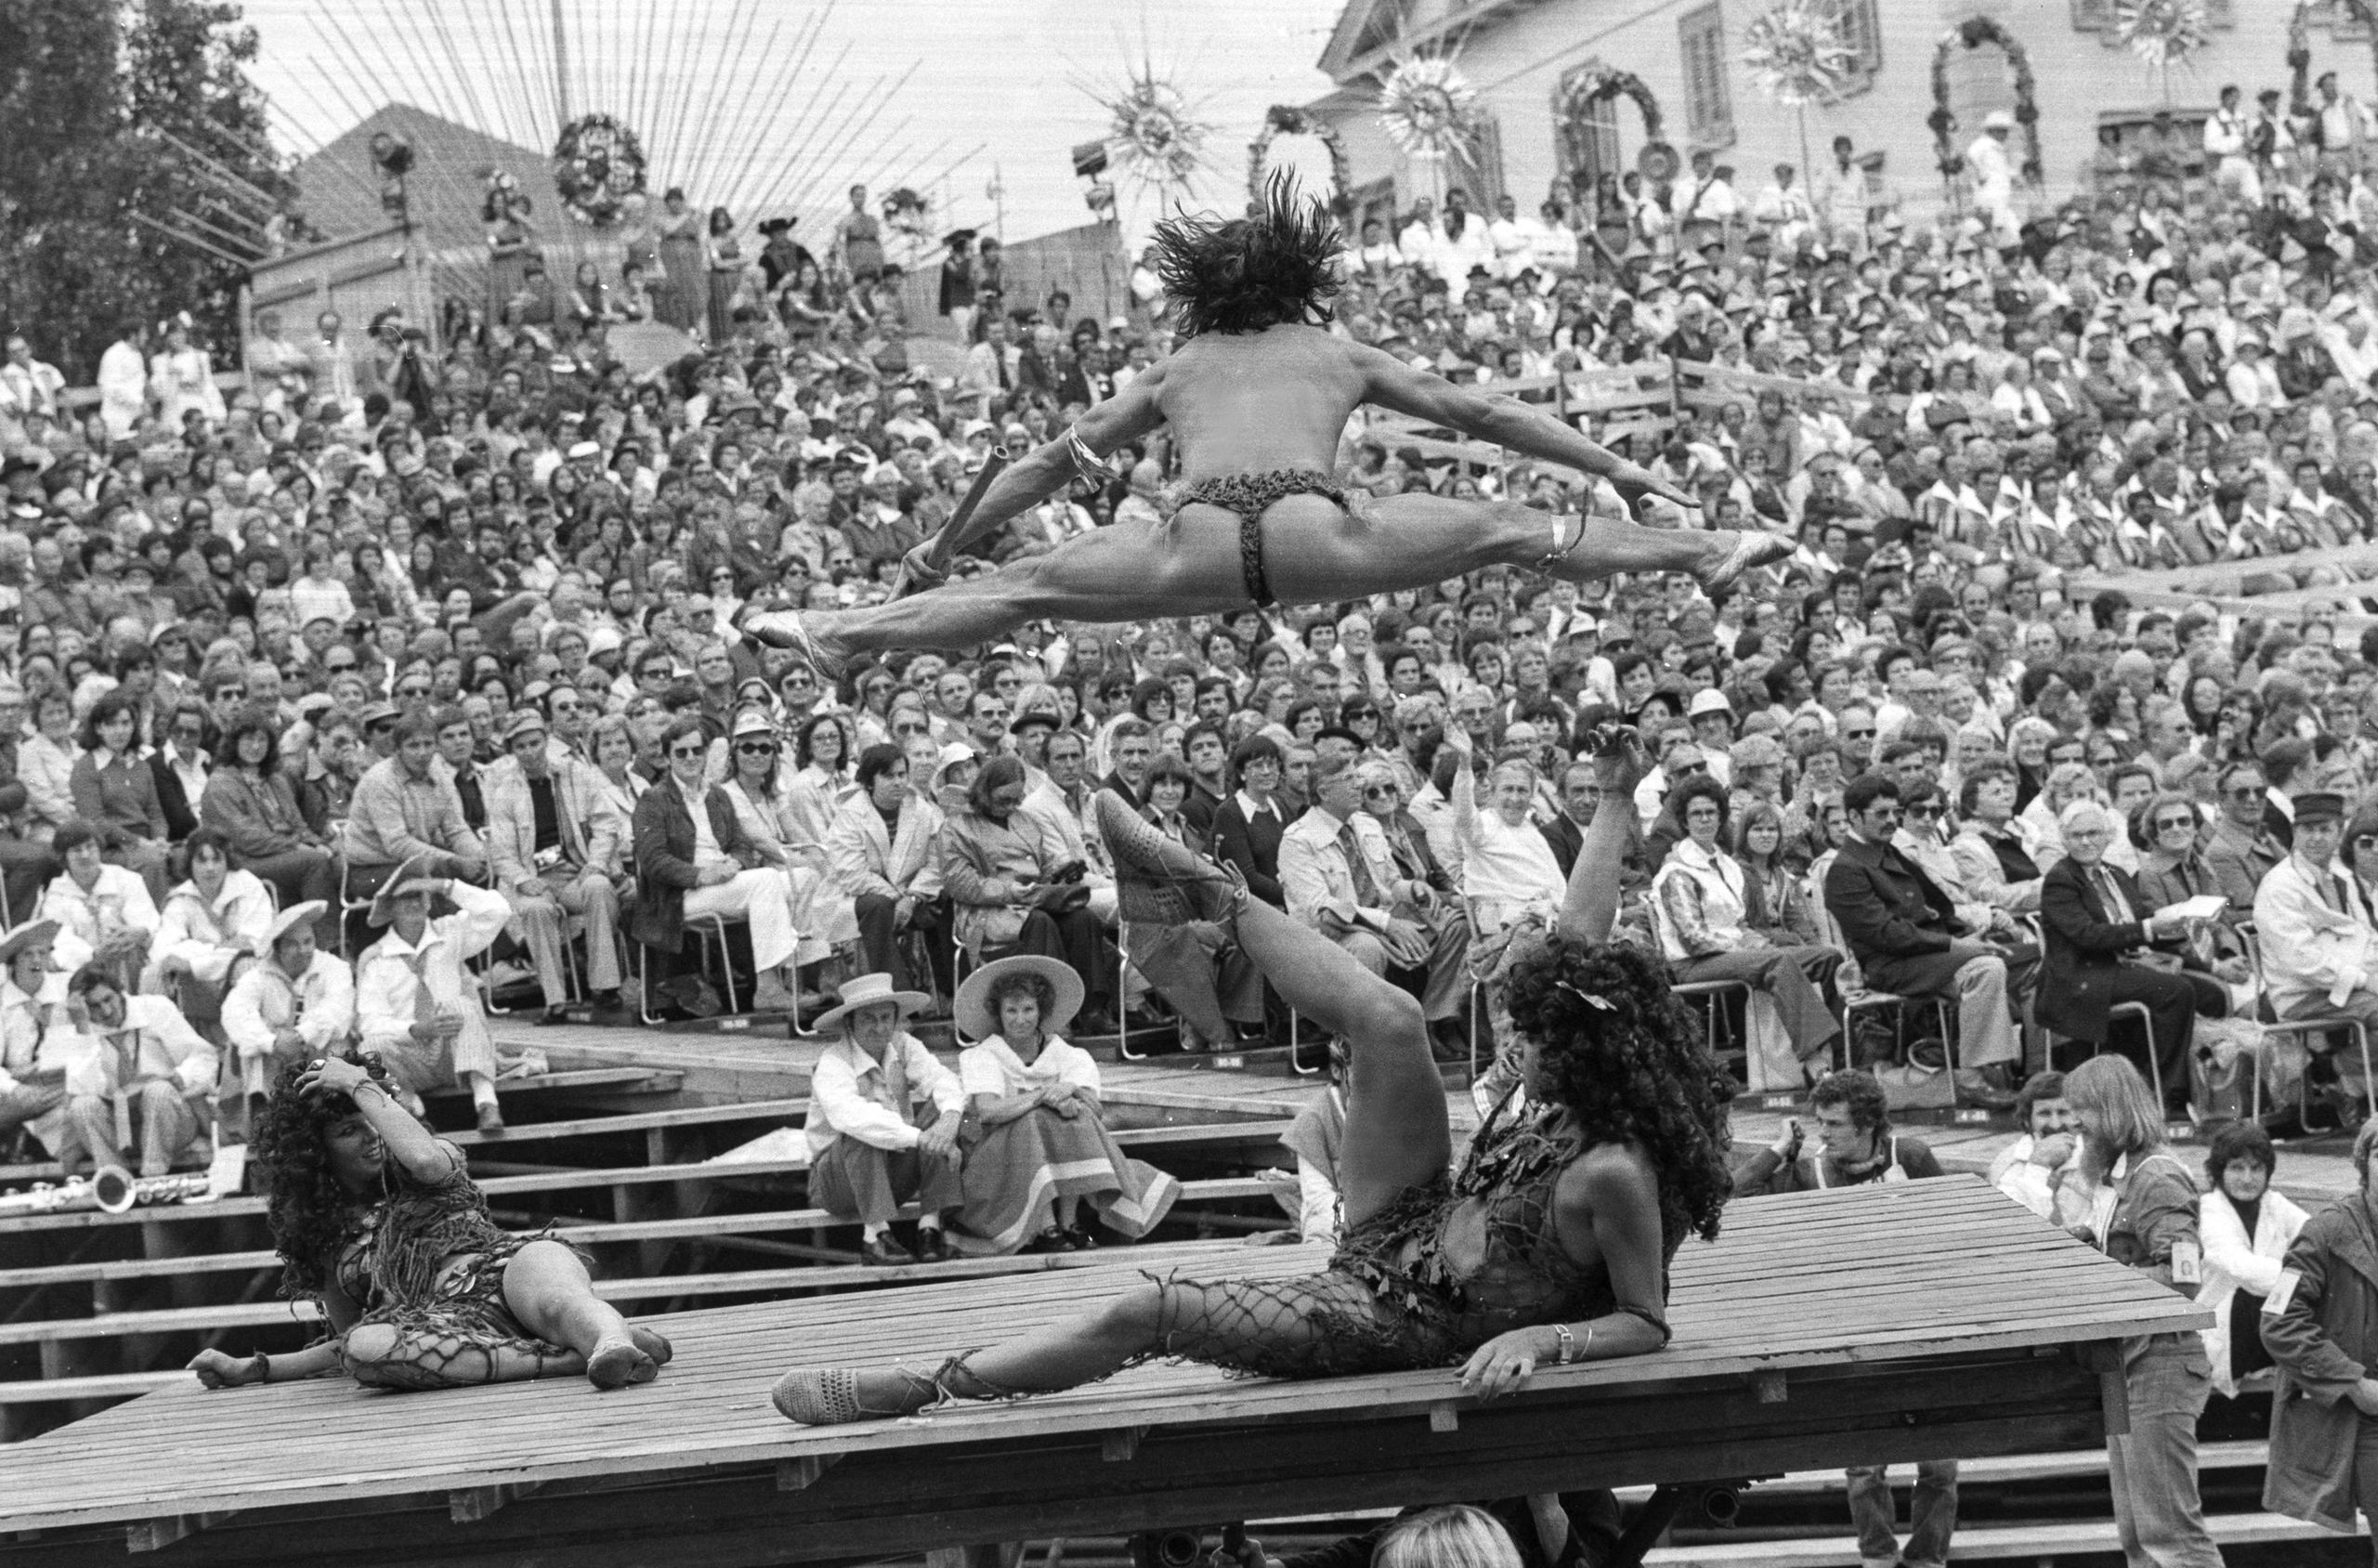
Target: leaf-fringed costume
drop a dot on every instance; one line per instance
(1447, 1266)
(426, 1261)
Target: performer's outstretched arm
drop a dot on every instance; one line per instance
(1392, 384)
(1591, 909)
(1050, 467)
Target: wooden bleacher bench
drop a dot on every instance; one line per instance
(2015, 1543)
(1810, 1335)
(632, 1121)
(608, 1080)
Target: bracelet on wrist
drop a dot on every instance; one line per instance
(263, 1365)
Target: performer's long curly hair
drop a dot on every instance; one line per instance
(1627, 1057)
(308, 1206)
(1243, 274)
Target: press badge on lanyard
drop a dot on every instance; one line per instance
(2283, 1293)
(2187, 1262)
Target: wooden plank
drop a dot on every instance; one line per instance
(108, 1385)
(621, 1080)
(2009, 1542)
(710, 1414)
(634, 1122)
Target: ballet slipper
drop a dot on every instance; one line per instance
(1748, 550)
(1142, 856)
(829, 1397)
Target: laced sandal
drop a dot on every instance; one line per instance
(829, 1397)
(1142, 856)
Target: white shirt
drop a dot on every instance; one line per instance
(849, 1096)
(319, 1004)
(384, 983)
(992, 1068)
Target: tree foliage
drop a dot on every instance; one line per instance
(90, 91)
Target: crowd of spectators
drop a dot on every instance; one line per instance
(468, 597)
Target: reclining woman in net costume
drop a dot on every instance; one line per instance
(1550, 1244)
(377, 1219)
(1258, 396)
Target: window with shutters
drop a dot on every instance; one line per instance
(1861, 32)
(1708, 103)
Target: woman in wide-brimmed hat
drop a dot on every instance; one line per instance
(1035, 1146)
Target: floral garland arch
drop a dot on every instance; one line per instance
(599, 164)
(1575, 99)
(1973, 34)
(1287, 120)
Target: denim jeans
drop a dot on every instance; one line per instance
(1932, 1516)
(2157, 1512)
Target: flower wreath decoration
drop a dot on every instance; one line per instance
(599, 164)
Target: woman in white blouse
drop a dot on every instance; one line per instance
(756, 784)
(1035, 1147)
(2247, 1225)
(1700, 903)
(1506, 865)
(213, 919)
(46, 763)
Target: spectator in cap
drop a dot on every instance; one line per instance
(2320, 941)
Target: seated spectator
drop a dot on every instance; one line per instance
(1336, 885)
(1191, 964)
(883, 846)
(1508, 869)
(2248, 1226)
(137, 1077)
(1580, 798)
(33, 1092)
(104, 913)
(1035, 1147)
(1700, 907)
(1904, 933)
(1317, 1138)
(1011, 894)
(1855, 1145)
(2323, 1335)
(693, 861)
(180, 766)
(2106, 946)
(1248, 824)
(884, 1116)
(1996, 850)
(416, 1002)
(769, 804)
(253, 805)
(1778, 904)
(216, 918)
(296, 1002)
(116, 794)
(551, 831)
(26, 861)
(402, 812)
(2243, 850)
(2172, 869)
(2319, 945)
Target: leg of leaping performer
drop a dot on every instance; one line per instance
(1582, 1198)
(1258, 395)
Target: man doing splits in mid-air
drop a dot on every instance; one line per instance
(1258, 395)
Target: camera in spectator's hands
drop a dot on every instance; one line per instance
(1070, 872)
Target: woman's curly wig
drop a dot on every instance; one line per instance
(1627, 1057)
(306, 1211)
(1243, 274)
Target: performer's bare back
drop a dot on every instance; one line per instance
(1253, 402)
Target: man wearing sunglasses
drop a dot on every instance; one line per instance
(1906, 934)
(2243, 850)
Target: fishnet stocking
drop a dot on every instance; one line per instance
(427, 1357)
(1324, 1325)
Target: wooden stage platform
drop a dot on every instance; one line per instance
(1823, 1329)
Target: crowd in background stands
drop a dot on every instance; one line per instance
(440, 563)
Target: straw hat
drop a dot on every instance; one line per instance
(869, 991)
(288, 920)
(30, 935)
(972, 1007)
(410, 877)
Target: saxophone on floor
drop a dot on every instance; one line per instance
(112, 1190)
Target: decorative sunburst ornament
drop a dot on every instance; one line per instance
(1796, 54)
(1429, 109)
(2164, 33)
(1156, 137)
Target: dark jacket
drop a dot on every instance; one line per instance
(181, 812)
(1885, 904)
(664, 859)
(2324, 1341)
(2084, 949)
(1253, 847)
(1567, 840)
